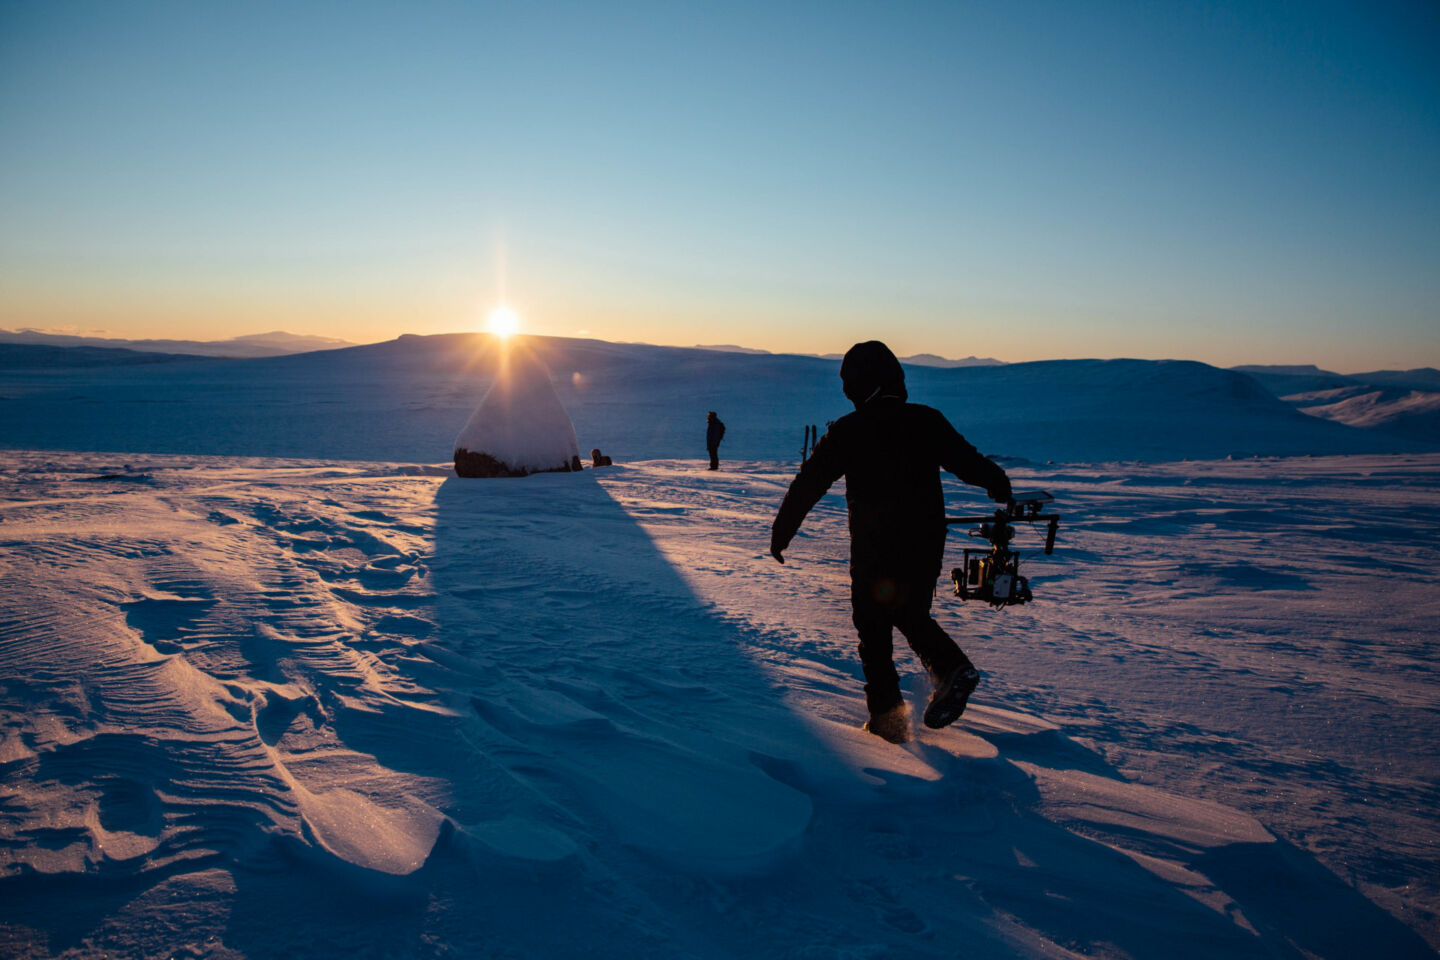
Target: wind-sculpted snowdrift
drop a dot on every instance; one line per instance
(259, 707)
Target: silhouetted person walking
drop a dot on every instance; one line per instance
(714, 433)
(891, 453)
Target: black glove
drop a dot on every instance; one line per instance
(1001, 492)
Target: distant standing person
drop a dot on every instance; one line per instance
(714, 433)
(890, 453)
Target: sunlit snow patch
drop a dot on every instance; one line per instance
(521, 426)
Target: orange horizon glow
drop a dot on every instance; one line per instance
(377, 322)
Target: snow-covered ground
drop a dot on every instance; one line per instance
(267, 707)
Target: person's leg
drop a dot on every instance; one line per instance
(714, 458)
(955, 677)
(937, 651)
(872, 622)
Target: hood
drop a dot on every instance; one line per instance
(870, 370)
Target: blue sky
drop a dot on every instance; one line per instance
(1229, 182)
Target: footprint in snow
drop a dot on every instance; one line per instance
(889, 911)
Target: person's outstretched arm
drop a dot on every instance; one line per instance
(959, 457)
(824, 467)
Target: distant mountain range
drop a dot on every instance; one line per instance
(274, 344)
(919, 359)
(931, 360)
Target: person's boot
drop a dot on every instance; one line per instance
(950, 696)
(892, 725)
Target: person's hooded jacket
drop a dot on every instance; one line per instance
(891, 453)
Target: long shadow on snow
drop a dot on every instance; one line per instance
(600, 683)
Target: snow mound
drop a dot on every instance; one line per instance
(521, 426)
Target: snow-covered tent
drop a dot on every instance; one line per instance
(521, 426)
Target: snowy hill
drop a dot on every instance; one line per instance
(405, 399)
(1420, 378)
(1403, 413)
(919, 359)
(1284, 380)
(1400, 403)
(27, 356)
(731, 348)
(272, 344)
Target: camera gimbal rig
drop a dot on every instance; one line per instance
(993, 575)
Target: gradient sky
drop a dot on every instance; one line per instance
(1230, 182)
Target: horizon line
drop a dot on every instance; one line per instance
(740, 349)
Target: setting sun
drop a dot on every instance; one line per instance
(503, 321)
